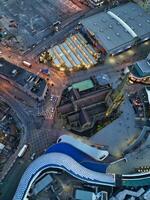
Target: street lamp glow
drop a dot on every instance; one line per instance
(131, 52)
(112, 60)
(146, 43)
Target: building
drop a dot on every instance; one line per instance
(81, 194)
(73, 53)
(140, 71)
(68, 158)
(92, 151)
(117, 29)
(84, 103)
(28, 82)
(122, 195)
(42, 184)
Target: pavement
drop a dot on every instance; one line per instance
(38, 135)
(134, 160)
(39, 132)
(34, 20)
(123, 134)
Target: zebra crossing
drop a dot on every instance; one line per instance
(48, 110)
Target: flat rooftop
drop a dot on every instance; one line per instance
(137, 158)
(142, 68)
(83, 194)
(119, 27)
(22, 77)
(83, 85)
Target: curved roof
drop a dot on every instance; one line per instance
(125, 25)
(91, 151)
(78, 156)
(61, 161)
(75, 162)
(119, 28)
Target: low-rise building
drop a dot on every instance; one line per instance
(42, 184)
(82, 194)
(140, 71)
(73, 54)
(28, 82)
(118, 29)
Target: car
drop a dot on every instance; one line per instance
(33, 156)
(51, 98)
(26, 64)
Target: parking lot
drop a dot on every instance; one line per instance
(33, 19)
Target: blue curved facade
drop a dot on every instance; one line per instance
(76, 163)
(79, 156)
(66, 157)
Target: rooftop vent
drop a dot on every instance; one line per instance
(108, 38)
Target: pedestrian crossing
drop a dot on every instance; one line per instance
(48, 110)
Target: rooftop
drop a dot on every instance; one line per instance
(83, 194)
(22, 77)
(142, 68)
(120, 27)
(74, 52)
(83, 85)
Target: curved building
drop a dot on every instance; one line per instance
(77, 163)
(68, 158)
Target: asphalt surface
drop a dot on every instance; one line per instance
(34, 19)
(38, 135)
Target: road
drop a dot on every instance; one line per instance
(38, 135)
(67, 27)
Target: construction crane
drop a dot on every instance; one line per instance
(117, 96)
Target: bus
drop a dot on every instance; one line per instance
(27, 64)
(22, 150)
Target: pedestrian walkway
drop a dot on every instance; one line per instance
(48, 110)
